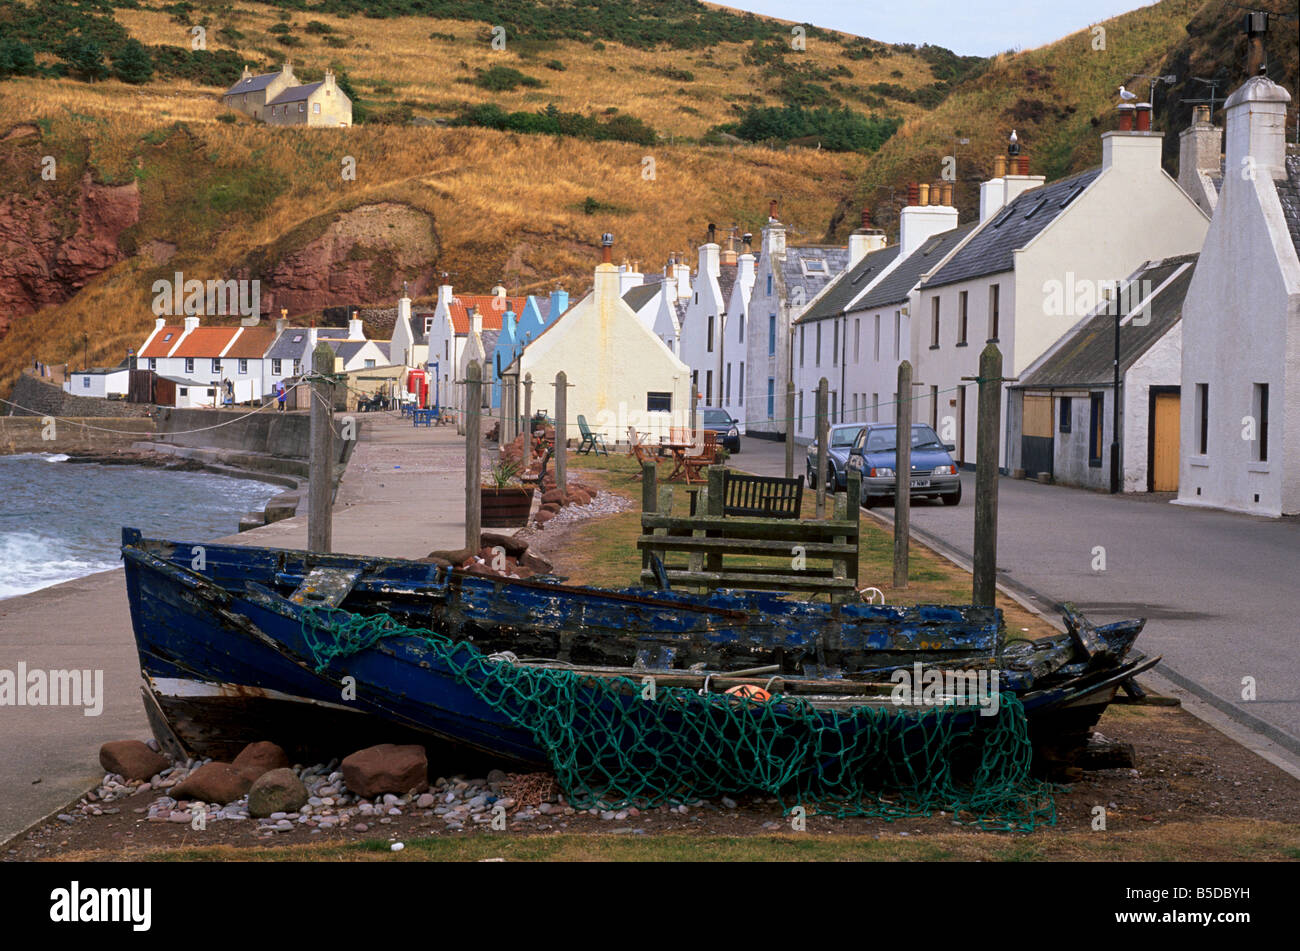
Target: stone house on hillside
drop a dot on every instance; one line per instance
(279, 99)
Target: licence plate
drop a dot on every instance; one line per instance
(920, 483)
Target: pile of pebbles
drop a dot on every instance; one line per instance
(459, 802)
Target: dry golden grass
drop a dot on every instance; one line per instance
(593, 81)
(1068, 81)
(507, 207)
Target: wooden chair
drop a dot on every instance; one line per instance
(694, 463)
(637, 449)
(590, 440)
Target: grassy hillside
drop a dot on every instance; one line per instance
(1058, 98)
(527, 210)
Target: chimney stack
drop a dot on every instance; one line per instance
(606, 248)
(1126, 110)
(1255, 25)
(355, 330)
(1143, 111)
(865, 239)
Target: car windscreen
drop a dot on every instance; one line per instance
(844, 437)
(715, 417)
(882, 440)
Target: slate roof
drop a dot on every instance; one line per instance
(792, 271)
(385, 347)
(251, 84)
(295, 94)
(898, 283)
(726, 281)
(346, 349)
(849, 284)
(291, 344)
(991, 250)
(1085, 356)
(642, 294)
(1288, 192)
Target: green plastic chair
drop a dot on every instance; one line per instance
(590, 440)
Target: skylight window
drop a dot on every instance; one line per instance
(1074, 193)
(297, 338)
(817, 266)
(166, 337)
(1042, 203)
(931, 245)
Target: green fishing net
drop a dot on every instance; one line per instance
(614, 743)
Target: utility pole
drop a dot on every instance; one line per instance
(1114, 396)
(989, 424)
(902, 474)
(789, 429)
(473, 451)
(320, 484)
(822, 447)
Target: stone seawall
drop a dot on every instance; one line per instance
(39, 397)
(27, 434)
(268, 433)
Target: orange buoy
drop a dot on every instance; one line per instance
(749, 692)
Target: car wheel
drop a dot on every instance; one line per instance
(952, 498)
(736, 451)
(868, 502)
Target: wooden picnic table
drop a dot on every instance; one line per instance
(679, 450)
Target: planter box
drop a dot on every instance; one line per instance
(503, 508)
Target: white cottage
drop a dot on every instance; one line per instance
(1241, 324)
(620, 373)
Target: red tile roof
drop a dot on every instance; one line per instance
(252, 343)
(162, 341)
(205, 342)
(463, 304)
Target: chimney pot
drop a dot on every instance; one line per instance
(1126, 110)
(713, 233)
(913, 194)
(1201, 114)
(1000, 166)
(748, 240)
(923, 191)
(1023, 161)
(1143, 111)
(771, 210)
(947, 193)
(607, 248)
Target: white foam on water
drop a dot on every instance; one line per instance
(29, 562)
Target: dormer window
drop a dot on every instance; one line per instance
(816, 266)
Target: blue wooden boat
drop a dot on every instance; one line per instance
(225, 638)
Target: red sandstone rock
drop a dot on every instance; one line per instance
(386, 768)
(131, 759)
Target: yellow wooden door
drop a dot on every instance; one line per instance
(1164, 468)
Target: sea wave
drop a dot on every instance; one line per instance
(43, 456)
(30, 561)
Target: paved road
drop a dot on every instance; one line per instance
(1221, 591)
(402, 496)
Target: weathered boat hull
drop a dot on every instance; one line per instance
(226, 660)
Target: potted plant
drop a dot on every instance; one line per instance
(504, 502)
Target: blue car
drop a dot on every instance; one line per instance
(838, 446)
(934, 473)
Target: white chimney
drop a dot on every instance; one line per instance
(191, 323)
(682, 274)
(993, 195)
(745, 269)
(919, 223)
(476, 321)
(159, 323)
(1256, 128)
(774, 238)
(709, 259)
(1130, 151)
(444, 290)
(628, 278)
(865, 239)
(311, 343)
(355, 329)
(404, 310)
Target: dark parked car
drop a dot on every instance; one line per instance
(934, 474)
(841, 441)
(720, 422)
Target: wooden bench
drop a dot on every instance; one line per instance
(761, 496)
(808, 556)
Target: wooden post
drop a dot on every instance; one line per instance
(561, 431)
(853, 509)
(320, 485)
(823, 433)
(987, 428)
(473, 450)
(903, 474)
(528, 419)
(789, 429)
(649, 499)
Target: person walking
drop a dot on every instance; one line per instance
(279, 395)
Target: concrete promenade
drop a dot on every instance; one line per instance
(401, 496)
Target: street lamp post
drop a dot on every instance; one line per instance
(85, 351)
(1114, 421)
